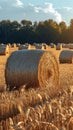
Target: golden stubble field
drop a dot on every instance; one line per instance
(66, 70)
(35, 110)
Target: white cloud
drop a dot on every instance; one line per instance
(49, 9)
(12, 10)
(11, 3)
(16, 9)
(58, 16)
(37, 9)
(18, 3)
(68, 8)
(31, 5)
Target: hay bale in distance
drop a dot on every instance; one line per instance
(4, 49)
(66, 56)
(14, 45)
(59, 46)
(13, 48)
(44, 46)
(24, 46)
(65, 45)
(70, 45)
(32, 47)
(39, 46)
(21, 47)
(18, 44)
(32, 68)
(52, 45)
(9, 45)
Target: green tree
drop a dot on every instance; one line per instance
(63, 30)
(15, 25)
(5, 26)
(26, 23)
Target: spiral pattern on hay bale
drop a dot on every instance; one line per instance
(32, 68)
(66, 56)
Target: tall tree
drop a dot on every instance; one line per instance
(63, 30)
(26, 23)
(70, 32)
(4, 30)
(15, 25)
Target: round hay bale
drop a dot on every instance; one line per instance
(38, 46)
(70, 46)
(25, 46)
(14, 45)
(32, 68)
(44, 45)
(4, 49)
(52, 45)
(18, 44)
(9, 45)
(66, 56)
(59, 46)
(64, 45)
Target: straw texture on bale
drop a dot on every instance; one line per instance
(66, 56)
(31, 68)
(70, 124)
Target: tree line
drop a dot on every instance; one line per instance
(43, 31)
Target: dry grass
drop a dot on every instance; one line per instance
(34, 109)
(3, 60)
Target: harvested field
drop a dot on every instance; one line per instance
(34, 109)
(3, 60)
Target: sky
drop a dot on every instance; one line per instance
(36, 10)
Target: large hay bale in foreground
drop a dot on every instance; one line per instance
(32, 68)
(66, 56)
